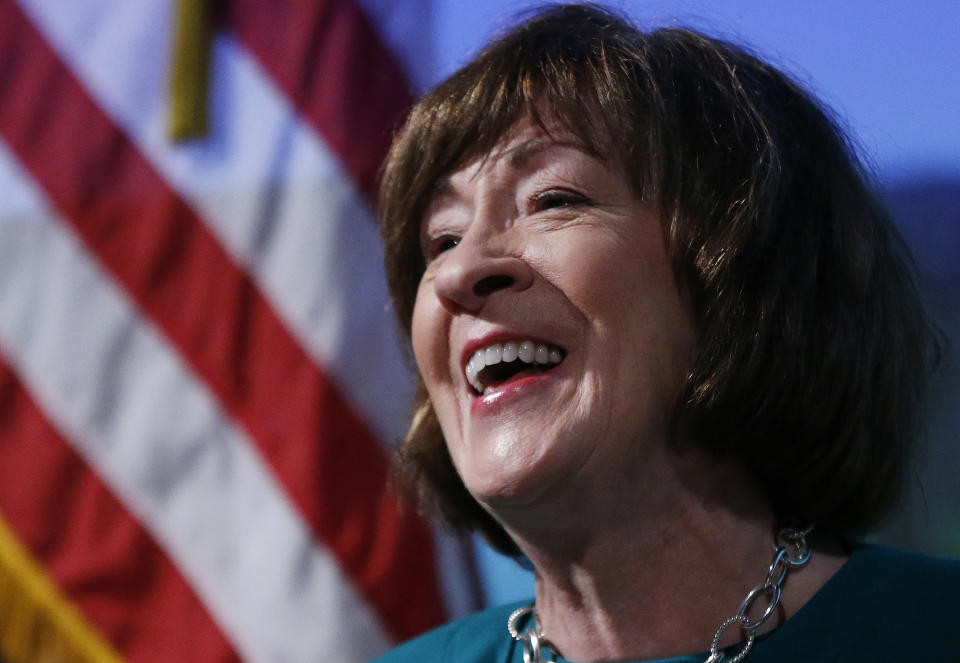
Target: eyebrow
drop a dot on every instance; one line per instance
(519, 156)
(522, 153)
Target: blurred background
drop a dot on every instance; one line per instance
(200, 379)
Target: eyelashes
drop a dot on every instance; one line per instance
(432, 247)
(555, 199)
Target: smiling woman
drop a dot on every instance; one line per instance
(533, 235)
(670, 351)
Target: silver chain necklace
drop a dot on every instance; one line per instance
(792, 551)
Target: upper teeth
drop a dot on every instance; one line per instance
(526, 351)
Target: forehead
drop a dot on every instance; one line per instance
(522, 147)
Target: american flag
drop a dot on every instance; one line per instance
(200, 377)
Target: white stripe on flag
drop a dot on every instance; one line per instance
(277, 199)
(263, 182)
(122, 396)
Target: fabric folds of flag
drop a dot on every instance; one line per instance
(199, 375)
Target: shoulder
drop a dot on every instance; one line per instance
(906, 574)
(883, 603)
(481, 637)
(888, 586)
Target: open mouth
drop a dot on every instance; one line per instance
(500, 363)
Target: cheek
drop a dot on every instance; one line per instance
(625, 289)
(428, 332)
(598, 279)
(419, 329)
(429, 337)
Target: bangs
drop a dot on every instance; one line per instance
(473, 114)
(580, 84)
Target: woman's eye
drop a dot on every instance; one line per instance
(555, 198)
(434, 246)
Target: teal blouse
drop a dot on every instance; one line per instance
(882, 605)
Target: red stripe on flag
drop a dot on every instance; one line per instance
(332, 65)
(212, 312)
(100, 556)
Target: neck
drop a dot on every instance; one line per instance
(655, 576)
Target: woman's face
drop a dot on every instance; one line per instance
(542, 255)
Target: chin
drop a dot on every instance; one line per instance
(502, 492)
(501, 486)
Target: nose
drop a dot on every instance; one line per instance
(477, 269)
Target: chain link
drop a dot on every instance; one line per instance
(716, 656)
(792, 551)
(531, 638)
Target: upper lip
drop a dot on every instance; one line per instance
(501, 336)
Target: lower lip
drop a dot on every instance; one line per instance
(507, 392)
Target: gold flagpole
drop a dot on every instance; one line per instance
(38, 624)
(189, 71)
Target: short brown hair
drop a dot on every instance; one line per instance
(813, 348)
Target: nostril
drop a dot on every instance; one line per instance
(490, 284)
